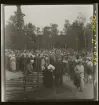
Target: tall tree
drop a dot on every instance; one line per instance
(30, 31)
(54, 33)
(54, 30)
(19, 15)
(66, 30)
(89, 36)
(16, 38)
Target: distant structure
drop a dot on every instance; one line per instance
(20, 20)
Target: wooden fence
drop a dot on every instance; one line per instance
(16, 87)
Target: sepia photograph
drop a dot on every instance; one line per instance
(48, 53)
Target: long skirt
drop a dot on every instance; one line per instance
(13, 66)
(58, 80)
(89, 71)
(48, 79)
(77, 80)
(17, 65)
(81, 82)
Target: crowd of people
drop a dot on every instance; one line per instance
(53, 63)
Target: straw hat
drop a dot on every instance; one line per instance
(32, 61)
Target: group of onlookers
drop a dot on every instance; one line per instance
(53, 63)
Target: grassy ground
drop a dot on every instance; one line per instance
(67, 91)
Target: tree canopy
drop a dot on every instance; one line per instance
(76, 36)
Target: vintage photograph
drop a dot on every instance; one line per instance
(48, 52)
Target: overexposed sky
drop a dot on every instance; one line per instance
(43, 15)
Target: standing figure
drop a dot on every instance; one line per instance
(29, 68)
(71, 69)
(13, 63)
(6, 60)
(17, 62)
(22, 63)
(42, 63)
(89, 70)
(48, 75)
(64, 65)
(79, 71)
(58, 72)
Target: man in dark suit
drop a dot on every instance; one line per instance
(58, 72)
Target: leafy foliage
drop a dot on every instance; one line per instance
(76, 36)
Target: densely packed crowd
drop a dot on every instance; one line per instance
(63, 61)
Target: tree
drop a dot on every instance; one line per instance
(54, 33)
(78, 30)
(66, 30)
(88, 35)
(81, 19)
(54, 30)
(30, 31)
(14, 38)
(19, 15)
(46, 36)
(66, 26)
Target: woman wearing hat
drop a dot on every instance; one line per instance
(13, 63)
(48, 75)
(29, 68)
(89, 70)
(79, 77)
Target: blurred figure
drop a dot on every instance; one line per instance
(13, 63)
(29, 67)
(58, 72)
(47, 75)
(89, 70)
(42, 63)
(17, 62)
(79, 71)
(6, 60)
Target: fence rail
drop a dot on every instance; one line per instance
(16, 87)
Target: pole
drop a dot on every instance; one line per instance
(38, 63)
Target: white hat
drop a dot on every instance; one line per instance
(88, 58)
(32, 61)
(79, 60)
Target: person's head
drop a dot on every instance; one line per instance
(31, 61)
(58, 59)
(80, 62)
(89, 59)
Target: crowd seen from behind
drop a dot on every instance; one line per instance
(57, 62)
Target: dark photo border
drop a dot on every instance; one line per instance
(34, 2)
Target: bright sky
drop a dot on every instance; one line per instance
(43, 15)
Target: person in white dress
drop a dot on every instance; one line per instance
(89, 69)
(13, 62)
(42, 64)
(79, 70)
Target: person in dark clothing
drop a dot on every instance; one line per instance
(58, 72)
(22, 63)
(9, 64)
(47, 76)
(51, 60)
(29, 67)
(17, 62)
(34, 64)
(38, 64)
(71, 70)
(6, 62)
